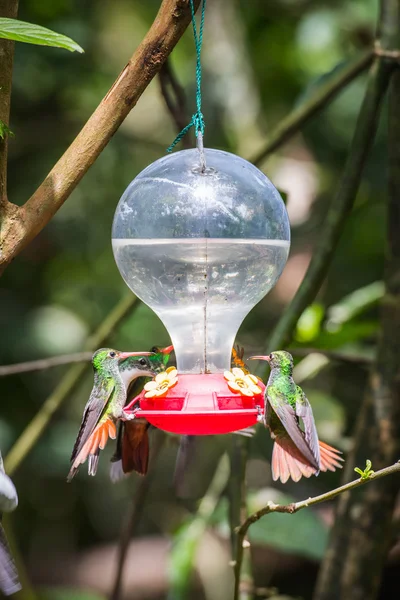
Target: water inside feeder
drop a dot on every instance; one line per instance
(201, 288)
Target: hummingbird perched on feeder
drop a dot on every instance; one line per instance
(132, 451)
(296, 453)
(113, 373)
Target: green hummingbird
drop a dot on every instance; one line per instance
(113, 373)
(132, 451)
(296, 452)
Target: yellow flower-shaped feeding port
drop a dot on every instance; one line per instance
(241, 383)
(161, 383)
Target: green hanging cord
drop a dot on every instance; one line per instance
(197, 120)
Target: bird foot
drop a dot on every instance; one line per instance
(127, 416)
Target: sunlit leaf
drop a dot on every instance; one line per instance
(309, 324)
(20, 31)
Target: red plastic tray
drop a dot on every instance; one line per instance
(201, 405)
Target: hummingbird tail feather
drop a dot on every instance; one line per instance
(184, 458)
(287, 462)
(91, 449)
(135, 447)
(116, 471)
(93, 462)
(330, 457)
(9, 582)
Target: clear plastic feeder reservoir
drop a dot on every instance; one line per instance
(201, 249)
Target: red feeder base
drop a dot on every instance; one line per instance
(201, 405)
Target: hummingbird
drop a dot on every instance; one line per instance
(295, 452)
(9, 582)
(237, 359)
(113, 373)
(132, 451)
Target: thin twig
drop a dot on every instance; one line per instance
(175, 100)
(296, 506)
(44, 363)
(340, 207)
(73, 376)
(22, 224)
(296, 119)
(134, 513)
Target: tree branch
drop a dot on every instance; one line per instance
(327, 92)
(175, 100)
(44, 363)
(134, 513)
(296, 506)
(73, 376)
(341, 205)
(23, 224)
(8, 8)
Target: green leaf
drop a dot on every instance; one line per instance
(20, 31)
(367, 473)
(302, 533)
(309, 324)
(4, 130)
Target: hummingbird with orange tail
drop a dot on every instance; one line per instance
(132, 451)
(296, 453)
(113, 373)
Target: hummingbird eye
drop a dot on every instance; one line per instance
(270, 356)
(112, 354)
(143, 362)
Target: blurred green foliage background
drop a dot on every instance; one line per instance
(260, 60)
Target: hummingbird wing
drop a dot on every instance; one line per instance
(304, 411)
(289, 419)
(9, 582)
(100, 397)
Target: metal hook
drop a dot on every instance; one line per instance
(200, 148)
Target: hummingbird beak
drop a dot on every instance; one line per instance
(267, 358)
(167, 350)
(123, 355)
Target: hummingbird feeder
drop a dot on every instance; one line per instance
(201, 236)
